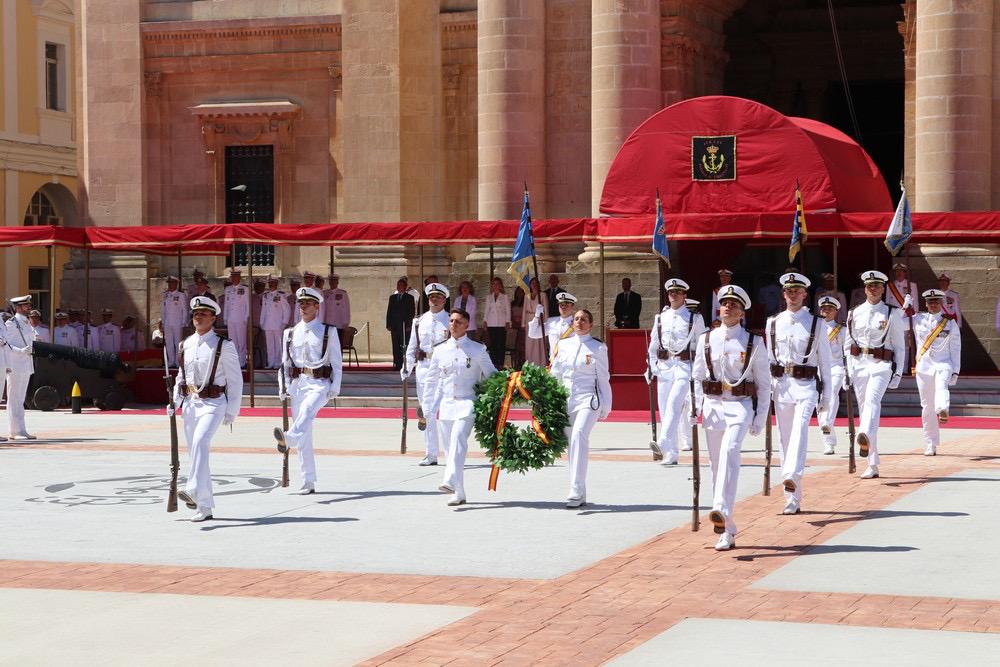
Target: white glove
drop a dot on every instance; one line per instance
(756, 429)
(693, 420)
(284, 396)
(953, 380)
(907, 302)
(332, 394)
(538, 310)
(603, 414)
(171, 411)
(404, 372)
(894, 382)
(228, 419)
(845, 386)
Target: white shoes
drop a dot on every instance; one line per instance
(186, 498)
(789, 485)
(685, 447)
(942, 416)
(825, 429)
(202, 515)
(456, 500)
(718, 520)
(657, 452)
(23, 436)
(307, 489)
(870, 473)
(828, 449)
(428, 461)
(791, 507)
(930, 451)
(446, 488)
(572, 503)
(726, 542)
(863, 443)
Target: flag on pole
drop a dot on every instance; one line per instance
(660, 246)
(524, 250)
(901, 227)
(799, 231)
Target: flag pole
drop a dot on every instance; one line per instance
(538, 277)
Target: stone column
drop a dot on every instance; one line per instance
(511, 110)
(908, 30)
(954, 107)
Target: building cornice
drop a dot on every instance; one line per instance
(159, 31)
(37, 158)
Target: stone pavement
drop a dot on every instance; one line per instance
(375, 569)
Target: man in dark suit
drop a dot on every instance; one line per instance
(399, 314)
(628, 305)
(551, 292)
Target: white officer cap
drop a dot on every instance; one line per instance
(900, 265)
(295, 280)
(172, 279)
(828, 301)
(18, 300)
(334, 276)
(789, 280)
(308, 294)
(874, 277)
(272, 279)
(933, 294)
(691, 302)
(725, 272)
(107, 311)
(676, 284)
(827, 276)
(204, 303)
(944, 276)
(565, 297)
(235, 271)
(437, 288)
(62, 316)
(35, 313)
(308, 274)
(735, 292)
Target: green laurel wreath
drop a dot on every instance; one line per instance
(521, 449)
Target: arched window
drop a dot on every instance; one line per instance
(41, 211)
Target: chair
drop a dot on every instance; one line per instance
(347, 344)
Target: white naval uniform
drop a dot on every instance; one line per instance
(337, 308)
(953, 305)
(432, 329)
(203, 416)
(835, 335)
(109, 337)
(42, 333)
(274, 311)
(309, 394)
(17, 367)
(581, 364)
(935, 367)
(678, 330)
(235, 313)
(795, 399)
(174, 313)
(556, 329)
(88, 333)
(872, 326)
(457, 365)
(131, 341)
(66, 335)
(728, 418)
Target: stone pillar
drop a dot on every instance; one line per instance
(908, 29)
(511, 104)
(954, 107)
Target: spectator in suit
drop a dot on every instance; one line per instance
(551, 292)
(628, 306)
(399, 314)
(467, 301)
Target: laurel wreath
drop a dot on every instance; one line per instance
(520, 449)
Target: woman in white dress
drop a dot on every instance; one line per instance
(534, 348)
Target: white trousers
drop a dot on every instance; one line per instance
(17, 388)
(934, 397)
(202, 418)
(793, 430)
(238, 334)
(670, 395)
(273, 339)
(429, 407)
(581, 423)
(308, 394)
(726, 424)
(683, 425)
(172, 339)
(455, 436)
(870, 388)
(828, 414)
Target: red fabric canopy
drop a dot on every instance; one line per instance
(771, 153)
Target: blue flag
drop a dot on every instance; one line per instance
(901, 227)
(799, 231)
(660, 246)
(522, 260)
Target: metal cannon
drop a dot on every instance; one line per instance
(102, 377)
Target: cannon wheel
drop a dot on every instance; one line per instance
(46, 398)
(113, 400)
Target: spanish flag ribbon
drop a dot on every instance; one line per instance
(514, 382)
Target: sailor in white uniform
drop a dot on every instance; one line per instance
(64, 334)
(274, 313)
(173, 315)
(208, 389)
(17, 365)
(556, 328)
(236, 312)
(109, 334)
(685, 423)
(829, 308)
(939, 360)
(429, 331)
(41, 331)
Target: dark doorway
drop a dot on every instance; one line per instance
(250, 197)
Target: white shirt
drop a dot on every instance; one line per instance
(432, 329)
(42, 333)
(19, 335)
(945, 353)
(66, 335)
(236, 304)
(468, 304)
(869, 325)
(199, 355)
(337, 308)
(581, 364)
(274, 311)
(496, 310)
(678, 330)
(836, 341)
(790, 345)
(174, 308)
(556, 329)
(130, 341)
(109, 337)
(456, 367)
(307, 351)
(728, 347)
(952, 305)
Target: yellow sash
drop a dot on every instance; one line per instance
(930, 338)
(565, 334)
(895, 293)
(833, 333)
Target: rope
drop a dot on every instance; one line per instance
(843, 74)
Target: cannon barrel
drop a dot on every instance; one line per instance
(108, 364)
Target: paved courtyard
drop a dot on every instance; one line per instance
(376, 569)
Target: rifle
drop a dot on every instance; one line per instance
(653, 445)
(406, 401)
(175, 460)
(695, 467)
(850, 424)
(768, 450)
(283, 388)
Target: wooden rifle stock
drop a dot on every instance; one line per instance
(695, 465)
(284, 427)
(851, 466)
(768, 449)
(405, 416)
(175, 460)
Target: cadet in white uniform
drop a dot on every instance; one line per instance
(173, 315)
(210, 384)
(939, 360)
(236, 312)
(16, 365)
(725, 277)
(731, 365)
(337, 304)
(684, 424)
(675, 332)
(829, 308)
(294, 316)
(556, 328)
(429, 331)
(876, 354)
(109, 334)
(952, 301)
(274, 311)
(311, 370)
(581, 364)
(902, 293)
(41, 331)
(455, 368)
(64, 334)
(799, 354)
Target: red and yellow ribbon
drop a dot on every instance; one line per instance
(515, 381)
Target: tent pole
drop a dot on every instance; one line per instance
(604, 333)
(250, 321)
(836, 259)
(86, 298)
(333, 261)
(491, 262)
(147, 335)
(420, 305)
(52, 291)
